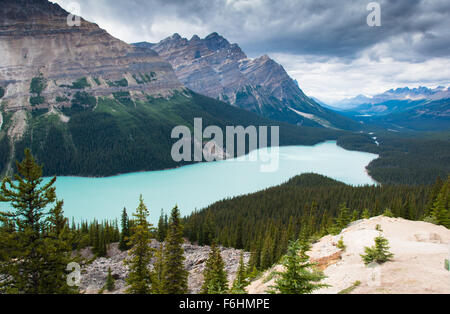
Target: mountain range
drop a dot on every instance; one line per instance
(401, 109)
(214, 67)
(399, 94)
(89, 104)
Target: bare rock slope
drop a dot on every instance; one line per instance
(94, 274)
(419, 249)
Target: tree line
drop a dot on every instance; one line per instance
(309, 206)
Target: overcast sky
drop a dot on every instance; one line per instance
(326, 45)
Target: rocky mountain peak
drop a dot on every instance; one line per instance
(215, 68)
(215, 42)
(45, 61)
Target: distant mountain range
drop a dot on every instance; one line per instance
(419, 108)
(213, 67)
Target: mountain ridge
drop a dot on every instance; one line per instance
(214, 67)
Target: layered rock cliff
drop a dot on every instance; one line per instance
(215, 68)
(44, 61)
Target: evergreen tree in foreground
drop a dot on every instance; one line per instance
(162, 227)
(139, 279)
(123, 244)
(378, 253)
(110, 282)
(298, 276)
(174, 277)
(440, 210)
(36, 250)
(215, 277)
(241, 280)
(157, 273)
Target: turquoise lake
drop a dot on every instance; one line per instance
(199, 185)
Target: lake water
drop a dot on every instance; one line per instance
(196, 186)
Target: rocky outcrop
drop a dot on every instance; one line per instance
(37, 43)
(215, 68)
(420, 250)
(93, 274)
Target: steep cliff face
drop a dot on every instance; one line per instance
(214, 67)
(44, 61)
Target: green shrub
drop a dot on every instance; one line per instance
(124, 98)
(81, 83)
(120, 83)
(37, 85)
(2, 92)
(36, 100)
(61, 99)
(341, 244)
(378, 253)
(83, 100)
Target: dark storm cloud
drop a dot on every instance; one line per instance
(411, 29)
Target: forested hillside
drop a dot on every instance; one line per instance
(309, 205)
(405, 158)
(109, 136)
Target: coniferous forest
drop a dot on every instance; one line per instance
(309, 206)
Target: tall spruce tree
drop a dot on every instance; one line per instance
(157, 273)
(174, 274)
(123, 244)
(440, 210)
(343, 218)
(162, 227)
(298, 276)
(215, 277)
(241, 280)
(38, 250)
(139, 279)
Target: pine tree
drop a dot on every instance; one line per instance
(343, 218)
(174, 274)
(366, 214)
(139, 279)
(388, 213)
(123, 244)
(241, 280)
(110, 282)
(298, 276)
(215, 278)
(39, 244)
(355, 215)
(378, 253)
(162, 227)
(267, 258)
(440, 211)
(157, 273)
(57, 253)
